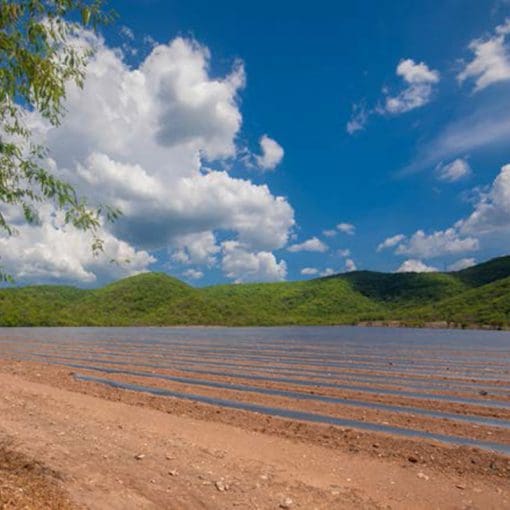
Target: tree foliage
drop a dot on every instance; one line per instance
(39, 57)
(156, 299)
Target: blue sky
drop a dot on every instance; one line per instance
(381, 119)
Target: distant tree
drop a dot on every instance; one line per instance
(37, 60)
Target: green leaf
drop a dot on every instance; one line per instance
(85, 15)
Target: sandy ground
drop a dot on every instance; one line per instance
(103, 448)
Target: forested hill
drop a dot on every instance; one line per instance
(477, 296)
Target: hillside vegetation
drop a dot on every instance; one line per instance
(477, 296)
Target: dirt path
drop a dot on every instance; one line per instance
(93, 444)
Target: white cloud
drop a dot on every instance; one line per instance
(346, 228)
(441, 242)
(196, 248)
(488, 222)
(242, 265)
(350, 265)
(309, 271)
(487, 123)
(420, 80)
(312, 244)
(359, 118)
(193, 274)
(146, 140)
(271, 154)
(329, 233)
(344, 252)
(453, 171)
(127, 32)
(414, 73)
(390, 242)
(491, 215)
(415, 266)
(149, 40)
(491, 61)
(191, 108)
(462, 264)
(53, 251)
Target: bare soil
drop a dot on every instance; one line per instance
(71, 444)
(28, 484)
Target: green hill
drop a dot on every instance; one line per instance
(485, 305)
(322, 301)
(476, 296)
(486, 272)
(133, 300)
(405, 289)
(36, 306)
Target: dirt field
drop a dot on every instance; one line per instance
(219, 418)
(108, 448)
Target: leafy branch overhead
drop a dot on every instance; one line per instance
(39, 57)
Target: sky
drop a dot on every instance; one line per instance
(276, 141)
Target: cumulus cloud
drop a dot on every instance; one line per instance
(193, 274)
(346, 228)
(312, 244)
(271, 154)
(147, 140)
(441, 242)
(418, 92)
(344, 252)
(453, 171)
(489, 221)
(309, 271)
(56, 252)
(243, 265)
(390, 242)
(350, 265)
(329, 233)
(487, 124)
(462, 264)
(491, 61)
(415, 266)
(195, 248)
(491, 214)
(190, 107)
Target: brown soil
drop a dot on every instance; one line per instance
(28, 484)
(86, 439)
(410, 420)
